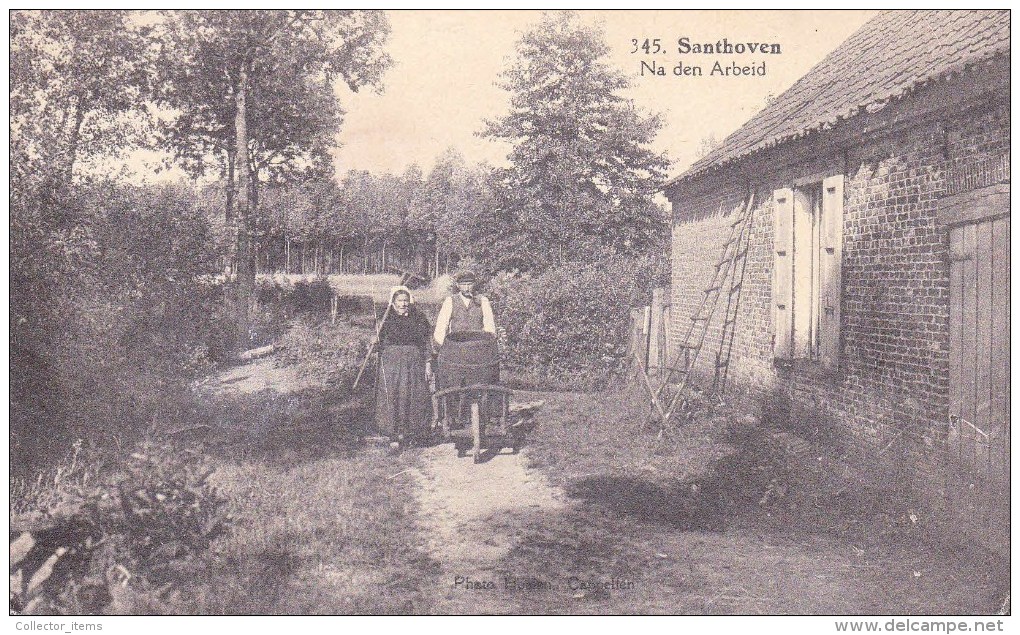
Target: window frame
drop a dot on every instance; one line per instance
(808, 235)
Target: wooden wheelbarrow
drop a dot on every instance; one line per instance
(481, 417)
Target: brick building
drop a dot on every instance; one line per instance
(874, 301)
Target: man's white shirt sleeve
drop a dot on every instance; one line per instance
(488, 320)
(443, 321)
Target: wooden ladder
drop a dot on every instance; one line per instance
(729, 327)
(666, 399)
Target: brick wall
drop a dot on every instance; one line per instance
(894, 367)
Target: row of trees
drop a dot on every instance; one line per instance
(433, 215)
(249, 100)
(249, 97)
(578, 186)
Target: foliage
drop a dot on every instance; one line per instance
(582, 176)
(311, 211)
(144, 523)
(97, 310)
(456, 205)
(78, 83)
(377, 206)
(167, 510)
(255, 91)
(706, 145)
(310, 297)
(292, 58)
(448, 210)
(331, 353)
(570, 322)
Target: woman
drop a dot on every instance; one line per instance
(401, 410)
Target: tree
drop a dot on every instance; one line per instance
(76, 79)
(254, 91)
(581, 175)
(458, 197)
(706, 145)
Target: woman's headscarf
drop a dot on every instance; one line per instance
(401, 289)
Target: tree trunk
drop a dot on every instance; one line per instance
(231, 189)
(228, 212)
(245, 270)
(79, 119)
(287, 238)
(254, 230)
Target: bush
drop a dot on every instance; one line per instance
(302, 297)
(330, 352)
(108, 317)
(143, 525)
(569, 325)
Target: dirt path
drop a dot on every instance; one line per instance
(469, 511)
(589, 499)
(255, 376)
(469, 516)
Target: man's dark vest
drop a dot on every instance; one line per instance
(467, 318)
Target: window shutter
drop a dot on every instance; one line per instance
(830, 258)
(782, 274)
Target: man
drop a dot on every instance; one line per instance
(465, 337)
(464, 311)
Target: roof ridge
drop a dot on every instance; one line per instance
(902, 50)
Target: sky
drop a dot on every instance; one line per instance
(447, 64)
(442, 86)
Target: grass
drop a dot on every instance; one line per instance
(588, 434)
(718, 518)
(332, 535)
(315, 524)
(318, 525)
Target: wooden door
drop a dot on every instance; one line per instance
(979, 351)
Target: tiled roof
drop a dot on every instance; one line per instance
(892, 54)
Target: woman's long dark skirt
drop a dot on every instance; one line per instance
(401, 405)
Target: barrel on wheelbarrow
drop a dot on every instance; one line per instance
(468, 357)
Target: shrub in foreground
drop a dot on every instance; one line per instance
(331, 352)
(85, 533)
